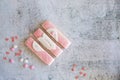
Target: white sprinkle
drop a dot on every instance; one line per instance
(15, 46)
(26, 60)
(21, 59)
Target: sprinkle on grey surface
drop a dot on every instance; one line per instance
(93, 26)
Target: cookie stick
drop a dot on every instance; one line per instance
(39, 51)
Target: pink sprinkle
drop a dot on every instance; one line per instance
(83, 68)
(32, 67)
(6, 39)
(73, 67)
(84, 74)
(12, 38)
(7, 53)
(25, 65)
(20, 51)
(16, 37)
(17, 54)
(76, 77)
(4, 58)
(11, 61)
(80, 73)
(12, 49)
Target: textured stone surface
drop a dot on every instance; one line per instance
(93, 26)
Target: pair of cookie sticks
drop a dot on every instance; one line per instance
(49, 41)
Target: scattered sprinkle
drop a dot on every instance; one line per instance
(76, 77)
(20, 51)
(84, 74)
(15, 46)
(25, 65)
(7, 52)
(12, 39)
(11, 60)
(26, 60)
(16, 37)
(4, 58)
(12, 49)
(73, 67)
(6, 39)
(81, 73)
(21, 59)
(83, 68)
(17, 54)
(32, 67)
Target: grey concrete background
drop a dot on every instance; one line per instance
(93, 26)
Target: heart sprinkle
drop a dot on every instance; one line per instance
(32, 67)
(4, 58)
(25, 65)
(11, 61)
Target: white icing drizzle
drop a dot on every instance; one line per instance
(36, 46)
(47, 42)
(55, 34)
